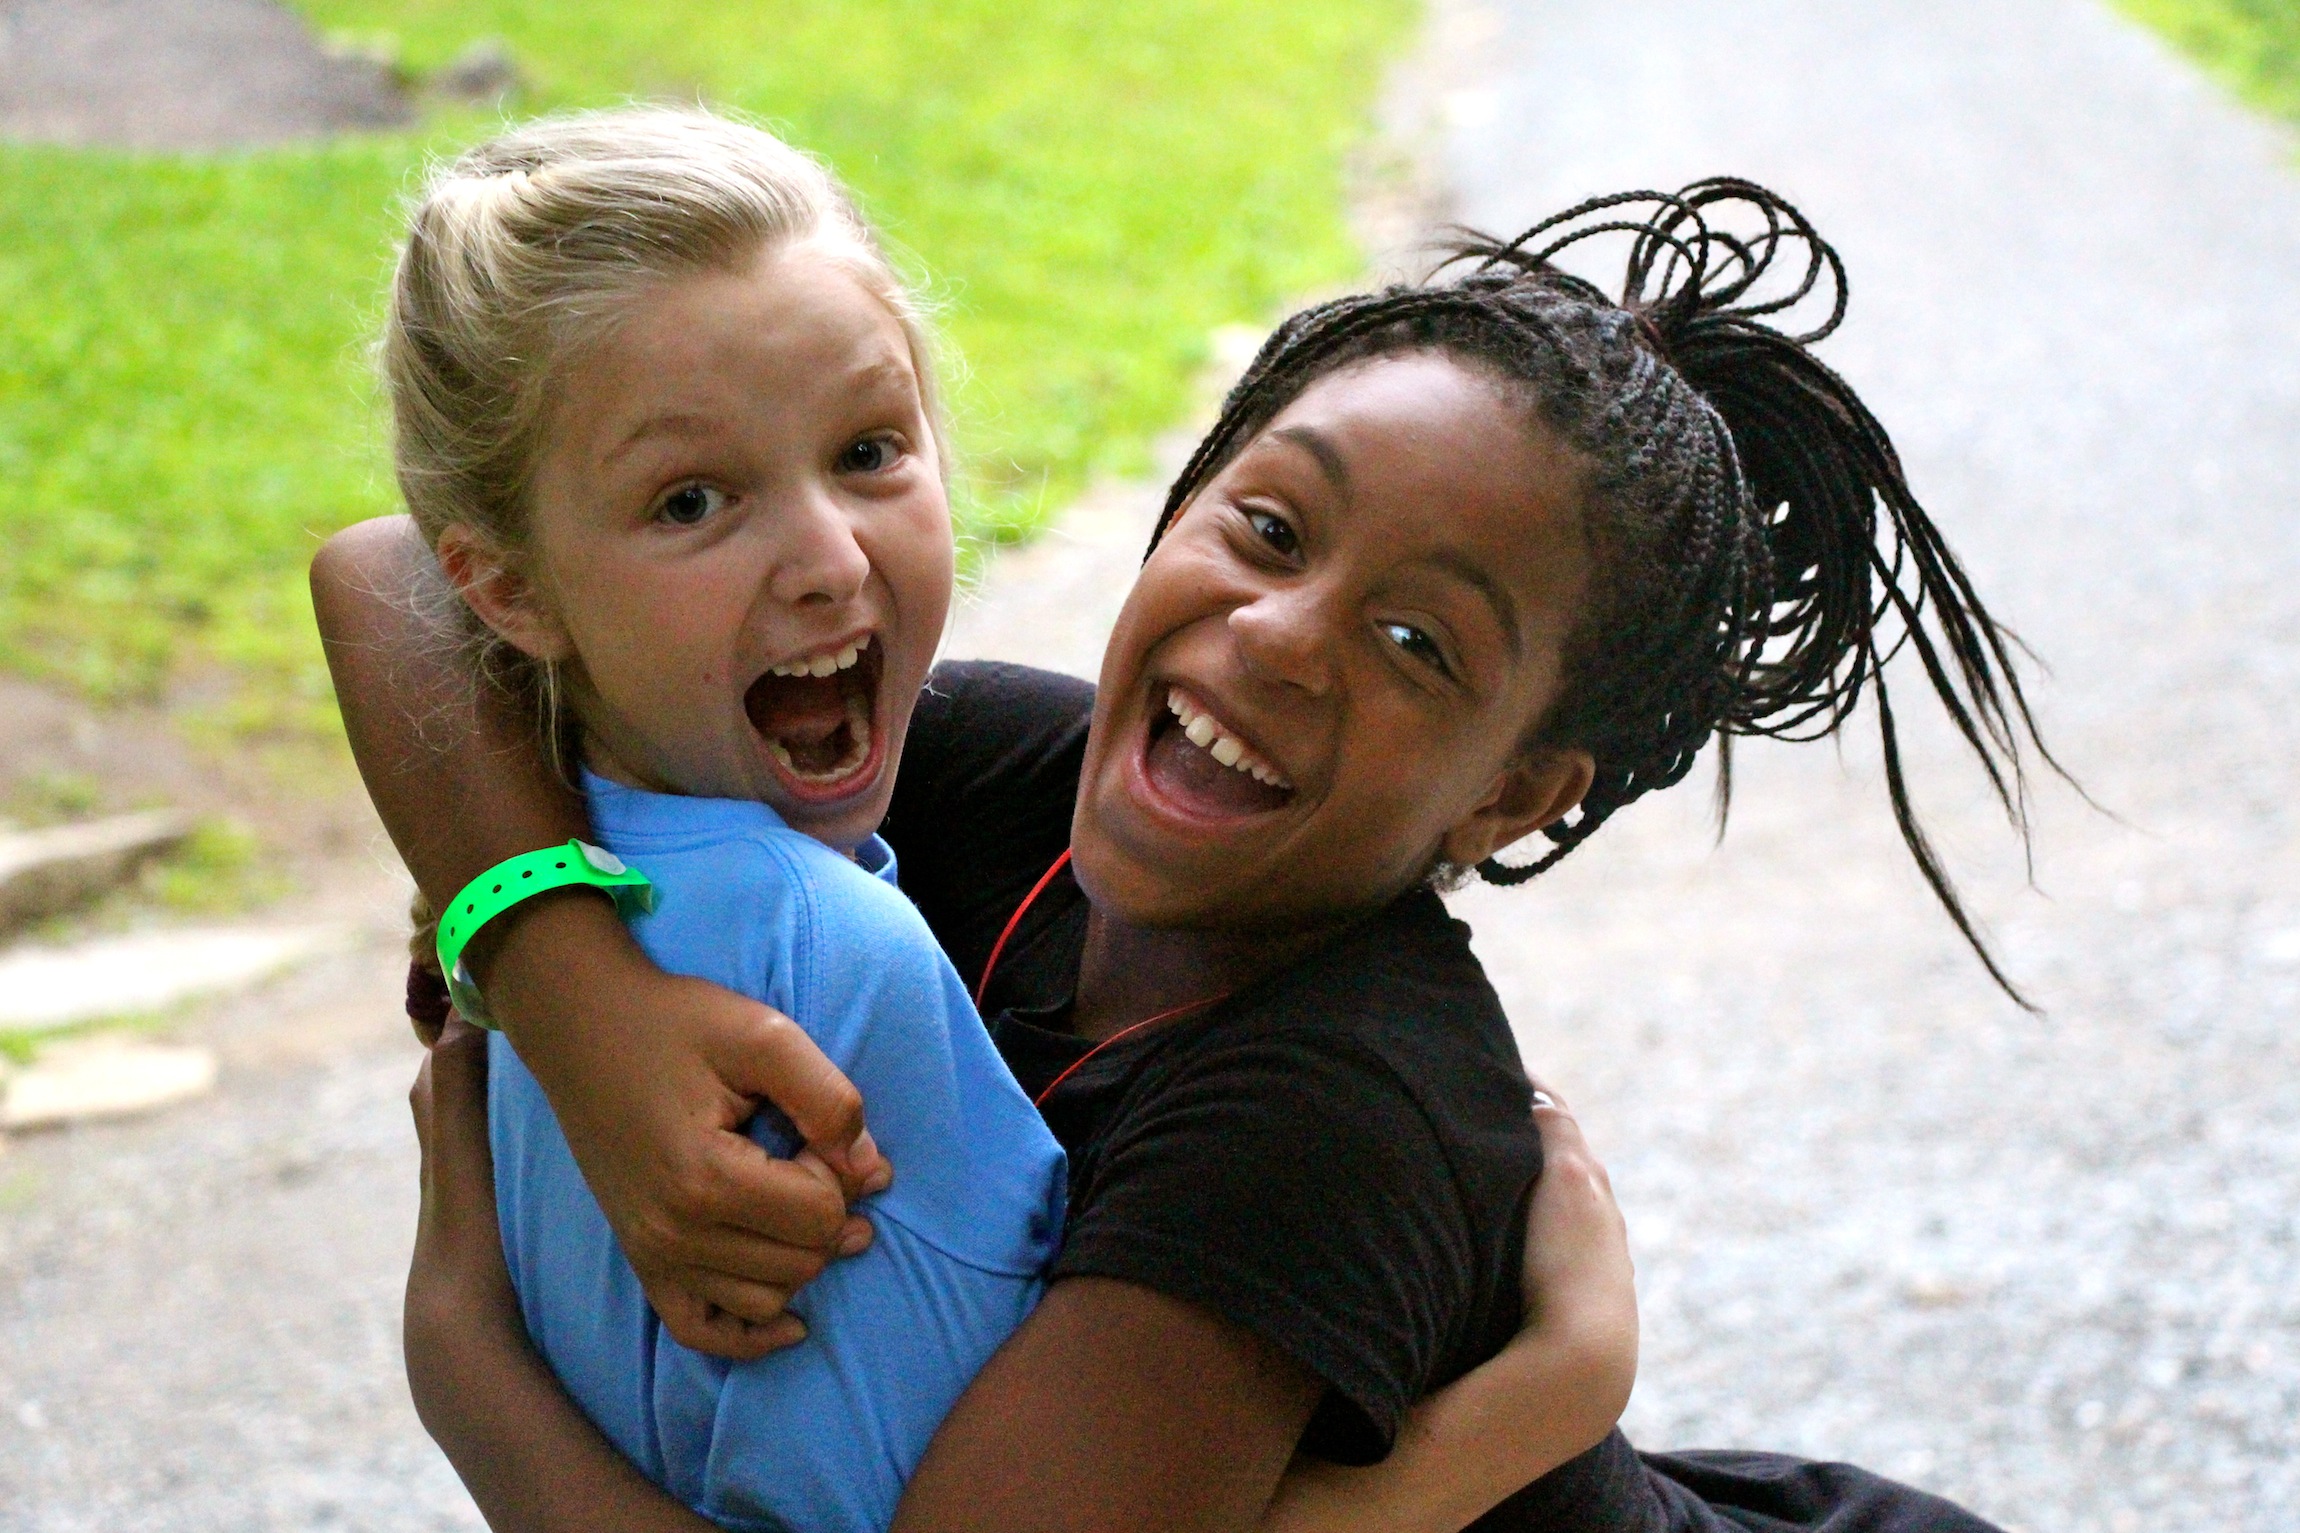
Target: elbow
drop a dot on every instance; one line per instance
(355, 564)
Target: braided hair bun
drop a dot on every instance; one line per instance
(1758, 555)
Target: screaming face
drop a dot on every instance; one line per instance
(741, 548)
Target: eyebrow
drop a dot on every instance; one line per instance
(1313, 442)
(1497, 596)
(678, 423)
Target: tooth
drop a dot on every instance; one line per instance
(782, 755)
(822, 665)
(778, 670)
(848, 655)
(1201, 731)
(1227, 751)
(1176, 706)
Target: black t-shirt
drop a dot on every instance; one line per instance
(1337, 1157)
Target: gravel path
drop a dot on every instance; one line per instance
(2051, 1267)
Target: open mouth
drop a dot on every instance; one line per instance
(818, 715)
(1203, 767)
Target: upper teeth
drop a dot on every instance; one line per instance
(1206, 732)
(823, 664)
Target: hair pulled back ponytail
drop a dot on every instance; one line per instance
(1758, 555)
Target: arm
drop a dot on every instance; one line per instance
(1553, 1393)
(719, 1232)
(530, 1458)
(1115, 1406)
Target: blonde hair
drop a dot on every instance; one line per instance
(522, 252)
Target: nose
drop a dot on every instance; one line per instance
(819, 562)
(1286, 636)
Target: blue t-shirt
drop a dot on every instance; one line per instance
(820, 1437)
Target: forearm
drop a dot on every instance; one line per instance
(531, 1459)
(1462, 1450)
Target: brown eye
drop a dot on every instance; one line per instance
(1416, 643)
(871, 455)
(690, 504)
(1275, 531)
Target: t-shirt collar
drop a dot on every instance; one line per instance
(618, 810)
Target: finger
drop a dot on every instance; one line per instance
(765, 1054)
(702, 1325)
(746, 1257)
(739, 1184)
(1576, 1237)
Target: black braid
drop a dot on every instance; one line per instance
(1745, 582)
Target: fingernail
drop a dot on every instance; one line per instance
(865, 1151)
(855, 1238)
(788, 1332)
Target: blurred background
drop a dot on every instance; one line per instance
(2048, 1265)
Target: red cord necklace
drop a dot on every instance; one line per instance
(982, 986)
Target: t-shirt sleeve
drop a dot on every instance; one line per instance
(1291, 1184)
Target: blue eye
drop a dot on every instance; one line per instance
(1415, 643)
(1275, 531)
(690, 504)
(871, 455)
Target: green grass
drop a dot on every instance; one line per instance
(2254, 45)
(1092, 188)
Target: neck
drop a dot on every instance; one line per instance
(1129, 973)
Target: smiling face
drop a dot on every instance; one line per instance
(1325, 677)
(740, 543)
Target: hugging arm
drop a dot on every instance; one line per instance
(1215, 1293)
(719, 1232)
(1113, 1398)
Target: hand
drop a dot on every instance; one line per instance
(1579, 1282)
(652, 1077)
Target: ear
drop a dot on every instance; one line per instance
(1540, 788)
(506, 598)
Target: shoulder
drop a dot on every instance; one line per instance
(978, 720)
(988, 780)
(1404, 989)
(857, 930)
(746, 902)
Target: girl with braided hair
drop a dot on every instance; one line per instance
(1462, 563)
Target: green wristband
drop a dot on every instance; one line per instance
(522, 878)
